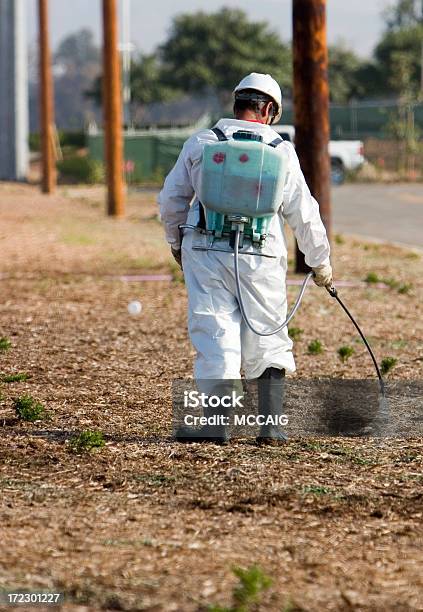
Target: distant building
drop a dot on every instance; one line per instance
(13, 91)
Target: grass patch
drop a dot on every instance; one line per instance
(156, 479)
(295, 333)
(11, 378)
(130, 263)
(5, 344)
(247, 593)
(29, 409)
(402, 288)
(412, 255)
(387, 364)
(339, 239)
(361, 460)
(87, 441)
(345, 352)
(315, 347)
(78, 240)
(313, 446)
(316, 490)
(392, 283)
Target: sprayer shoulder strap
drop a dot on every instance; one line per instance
(222, 138)
(220, 135)
(275, 143)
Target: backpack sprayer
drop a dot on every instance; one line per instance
(241, 190)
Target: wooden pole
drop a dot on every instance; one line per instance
(311, 104)
(48, 181)
(112, 105)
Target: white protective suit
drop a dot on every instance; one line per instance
(223, 342)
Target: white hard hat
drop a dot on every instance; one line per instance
(265, 84)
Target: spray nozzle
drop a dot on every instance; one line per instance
(332, 291)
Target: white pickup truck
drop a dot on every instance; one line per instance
(344, 154)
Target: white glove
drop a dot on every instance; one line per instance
(323, 275)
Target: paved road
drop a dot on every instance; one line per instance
(392, 213)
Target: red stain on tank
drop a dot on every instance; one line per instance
(219, 158)
(243, 158)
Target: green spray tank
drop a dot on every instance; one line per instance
(242, 182)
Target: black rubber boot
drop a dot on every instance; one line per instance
(215, 434)
(271, 386)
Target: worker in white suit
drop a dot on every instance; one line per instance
(222, 341)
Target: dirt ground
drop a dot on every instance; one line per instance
(145, 523)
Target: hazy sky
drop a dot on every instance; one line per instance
(357, 22)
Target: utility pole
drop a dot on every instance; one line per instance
(311, 104)
(126, 49)
(13, 92)
(48, 181)
(112, 105)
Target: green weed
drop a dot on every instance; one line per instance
(405, 288)
(246, 594)
(5, 344)
(402, 288)
(295, 333)
(11, 378)
(86, 441)
(392, 283)
(315, 347)
(345, 352)
(339, 239)
(387, 364)
(372, 277)
(29, 409)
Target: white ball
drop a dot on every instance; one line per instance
(134, 307)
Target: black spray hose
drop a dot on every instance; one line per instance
(331, 290)
(334, 293)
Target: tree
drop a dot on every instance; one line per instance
(212, 52)
(344, 71)
(77, 50)
(407, 42)
(402, 125)
(76, 65)
(404, 14)
(147, 82)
